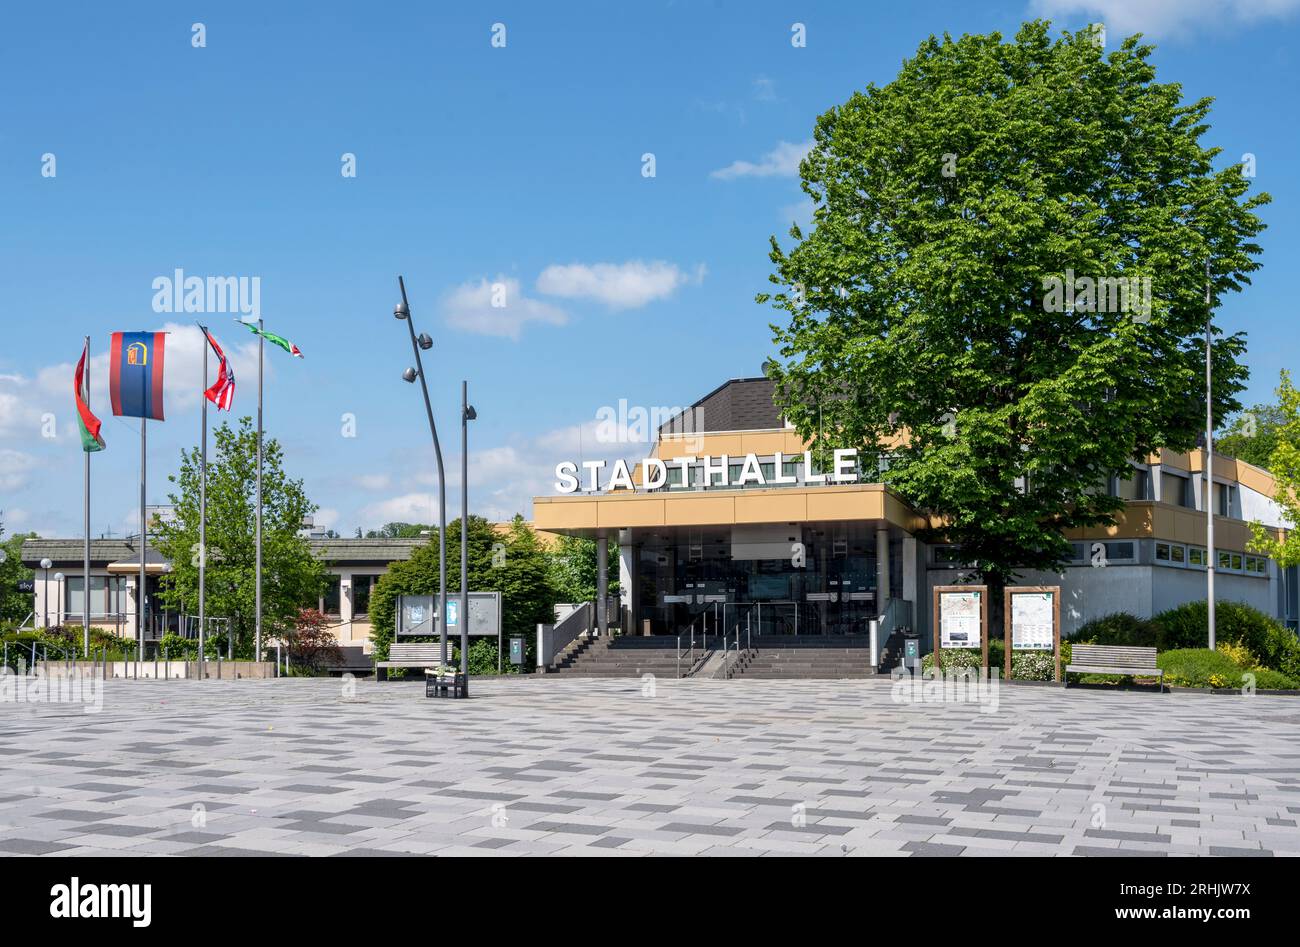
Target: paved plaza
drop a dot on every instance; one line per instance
(544, 766)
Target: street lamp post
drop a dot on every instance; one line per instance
(423, 342)
(45, 593)
(58, 594)
(467, 414)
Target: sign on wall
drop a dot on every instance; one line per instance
(1032, 622)
(961, 617)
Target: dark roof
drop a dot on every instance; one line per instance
(741, 404)
(64, 552)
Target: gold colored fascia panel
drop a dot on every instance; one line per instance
(700, 511)
(777, 506)
(564, 515)
(648, 511)
(846, 505)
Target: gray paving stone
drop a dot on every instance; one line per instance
(584, 767)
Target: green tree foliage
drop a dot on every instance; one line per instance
(400, 531)
(1284, 463)
(291, 576)
(572, 563)
(1253, 435)
(920, 304)
(14, 605)
(517, 569)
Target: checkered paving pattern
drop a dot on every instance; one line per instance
(548, 766)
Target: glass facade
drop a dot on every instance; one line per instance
(833, 592)
(107, 596)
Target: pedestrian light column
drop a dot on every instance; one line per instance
(423, 342)
(45, 593)
(467, 414)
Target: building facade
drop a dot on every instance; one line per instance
(729, 523)
(353, 566)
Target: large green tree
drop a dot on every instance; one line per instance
(291, 576)
(923, 305)
(511, 563)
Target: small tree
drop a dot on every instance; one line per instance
(291, 575)
(14, 605)
(310, 643)
(1253, 435)
(1284, 463)
(572, 563)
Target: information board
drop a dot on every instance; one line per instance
(1032, 628)
(960, 616)
(418, 614)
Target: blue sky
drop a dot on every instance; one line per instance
(519, 166)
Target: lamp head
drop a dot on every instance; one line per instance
(58, 577)
(46, 563)
(402, 311)
(424, 341)
(410, 375)
(470, 413)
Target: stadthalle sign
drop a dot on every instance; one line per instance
(716, 472)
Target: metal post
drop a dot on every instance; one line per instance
(141, 615)
(45, 600)
(85, 582)
(404, 312)
(464, 535)
(1213, 556)
(257, 625)
(203, 504)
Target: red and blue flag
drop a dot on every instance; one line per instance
(136, 374)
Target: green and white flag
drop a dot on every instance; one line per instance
(272, 338)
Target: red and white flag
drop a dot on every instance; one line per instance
(222, 393)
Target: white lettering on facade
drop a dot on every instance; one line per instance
(714, 472)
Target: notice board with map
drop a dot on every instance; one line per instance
(961, 617)
(1031, 617)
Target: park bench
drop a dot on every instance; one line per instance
(401, 655)
(1109, 659)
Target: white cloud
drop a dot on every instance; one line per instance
(781, 161)
(1163, 18)
(419, 507)
(375, 481)
(15, 469)
(497, 308)
(616, 285)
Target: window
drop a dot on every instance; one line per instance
(1175, 489)
(361, 595)
(1162, 552)
(1178, 554)
(947, 555)
(1121, 551)
(1225, 560)
(329, 603)
(1196, 556)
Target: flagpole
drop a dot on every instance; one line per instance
(203, 505)
(1212, 557)
(261, 347)
(85, 587)
(140, 614)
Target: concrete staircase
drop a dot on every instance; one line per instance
(809, 658)
(621, 657)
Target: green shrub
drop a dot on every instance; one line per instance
(1199, 667)
(173, 647)
(954, 658)
(1033, 666)
(1273, 644)
(1266, 679)
(1119, 628)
